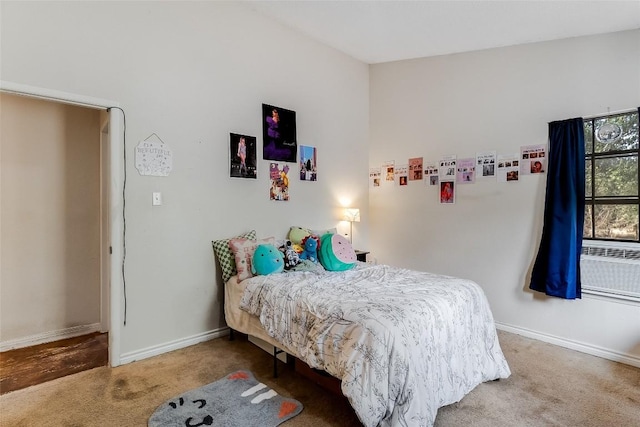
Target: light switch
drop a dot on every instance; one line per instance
(157, 199)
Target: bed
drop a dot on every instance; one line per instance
(404, 343)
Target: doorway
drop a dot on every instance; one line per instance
(101, 311)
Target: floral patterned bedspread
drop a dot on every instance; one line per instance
(404, 343)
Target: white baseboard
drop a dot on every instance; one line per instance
(593, 350)
(60, 334)
(172, 345)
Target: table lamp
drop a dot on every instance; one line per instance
(352, 215)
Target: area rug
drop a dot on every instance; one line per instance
(235, 400)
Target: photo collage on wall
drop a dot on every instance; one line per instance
(279, 146)
(450, 172)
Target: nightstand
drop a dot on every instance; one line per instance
(361, 255)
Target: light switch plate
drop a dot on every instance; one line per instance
(157, 199)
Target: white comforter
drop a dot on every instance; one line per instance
(404, 343)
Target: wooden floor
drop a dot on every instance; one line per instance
(29, 366)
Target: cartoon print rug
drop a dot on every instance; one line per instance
(236, 400)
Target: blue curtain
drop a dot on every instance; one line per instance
(556, 271)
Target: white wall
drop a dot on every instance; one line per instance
(497, 99)
(50, 207)
(192, 72)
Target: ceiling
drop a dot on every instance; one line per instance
(384, 31)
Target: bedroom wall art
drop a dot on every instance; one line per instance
(447, 168)
(450, 171)
(388, 169)
(153, 157)
(402, 174)
(447, 178)
(431, 173)
(486, 164)
(508, 168)
(533, 159)
(374, 177)
(279, 178)
(447, 192)
(279, 134)
(466, 173)
(415, 169)
(308, 163)
(242, 156)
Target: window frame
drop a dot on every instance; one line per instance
(592, 200)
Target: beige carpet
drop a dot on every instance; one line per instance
(549, 386)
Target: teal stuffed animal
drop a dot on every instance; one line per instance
(310, 245)
(267, 259)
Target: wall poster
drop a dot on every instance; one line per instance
(533, 159)
(415, 169)
(508, 168)
(486, 164)
(447, 192)
(388, 170)
(466, 173)
(308, 163)
(431, 173)
(279, 134)
(242, 156)
(279, 178)
(374, 177)
(447, 168)
(402, 174)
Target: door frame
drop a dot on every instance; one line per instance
(116, 173)
(105, 238)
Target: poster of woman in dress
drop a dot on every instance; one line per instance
(447, 192)
(308, 164)
(279, 134)
(242, 154)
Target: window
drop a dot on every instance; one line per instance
(612, 205)
(610, 262)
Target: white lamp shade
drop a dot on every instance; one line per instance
(352, 215)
